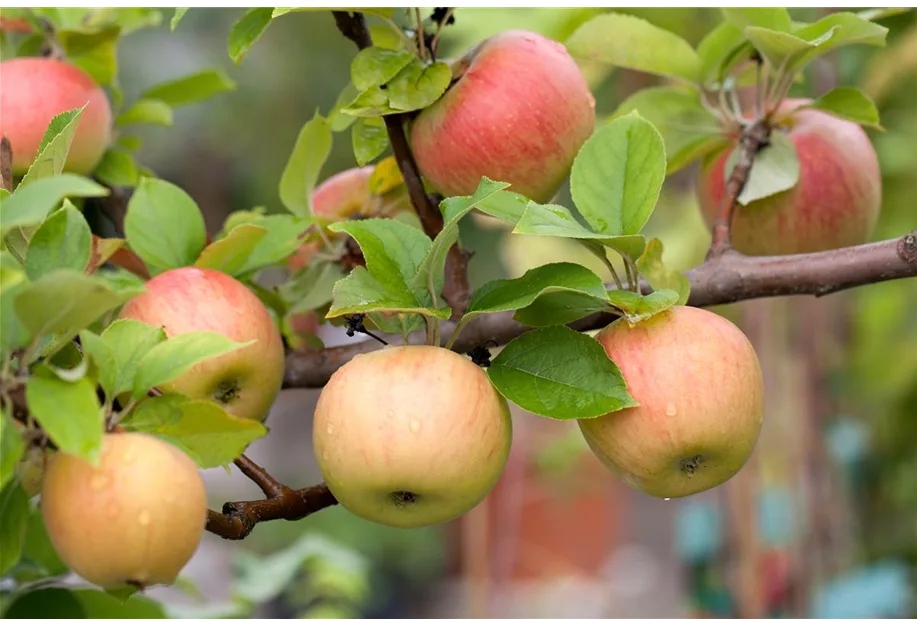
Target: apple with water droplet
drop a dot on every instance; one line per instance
(409, 436)
(136, 518)
(246, 381)
(700, 390)
(518, 111)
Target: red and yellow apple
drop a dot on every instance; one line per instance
(245, 381)
(32, 91)
(836, 202)
(518, 111)
(700, 391)
(409, 436)
(134, 519)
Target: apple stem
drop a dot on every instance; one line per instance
(754, 137)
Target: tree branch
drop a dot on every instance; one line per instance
(456, 290)
(728, 278)
(754, 137)
(6, 164)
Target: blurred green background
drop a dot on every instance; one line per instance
(830, 499)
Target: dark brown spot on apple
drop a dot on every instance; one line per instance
(226, 392)
(403, 498)
(690, 465)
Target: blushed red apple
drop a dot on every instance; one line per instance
(700, 391)
(518, 112)
(32, 91)
(836, 202)
(244, 381)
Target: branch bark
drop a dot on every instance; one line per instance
(6, 164)
(728, 278)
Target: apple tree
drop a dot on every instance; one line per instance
(130, 363)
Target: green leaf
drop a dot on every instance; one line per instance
(131, 143)
(377, 66)
(13, 332)
(231, 253)
(849, 29)
(360, 292)
(95, 51)
(63, 240)
(313, 145)
(176, 17)
(518, 293)
(637, 307)
(418, 86)
(632, 42)
(312, 287)
(70, 603)
(558, 221)
(773, 18)
(881, 13)
(394, 251)
(505, 205)
(12, 447)
(69, 412)
(118, 351)
(716, 48)
(553, 308)
(369, 104)
(167, 360)
(193, 88)
(202, 429)
(65, 302)
(14, 512)
(848, 103)
(369, 138)
(688, 130)
(430, 274)
(164, 225)
(245, 32)
(558, 373)
(38, 548)
(54, 146)
(784, 50)
(117, 169)
(339, 120)
(660, 277)
(284, 235)
(146, 111)
(774, 170)
(617, 175)
(31, 204)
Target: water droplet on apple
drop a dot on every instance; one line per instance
(99, 481)
(671, 410)
(144, 518)
(666, 499)
(330, 429)
(415, 426)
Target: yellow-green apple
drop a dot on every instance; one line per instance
(700, 391)
(134, 519)
(518, 111)
(245, 381)
(409, 436)
(32, 91)
(836, 202)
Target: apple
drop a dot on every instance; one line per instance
(32, 91)
(409, 436)
(836, 202)
(244, 381)
(700, 391)
(518, 111)
(134, 519)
